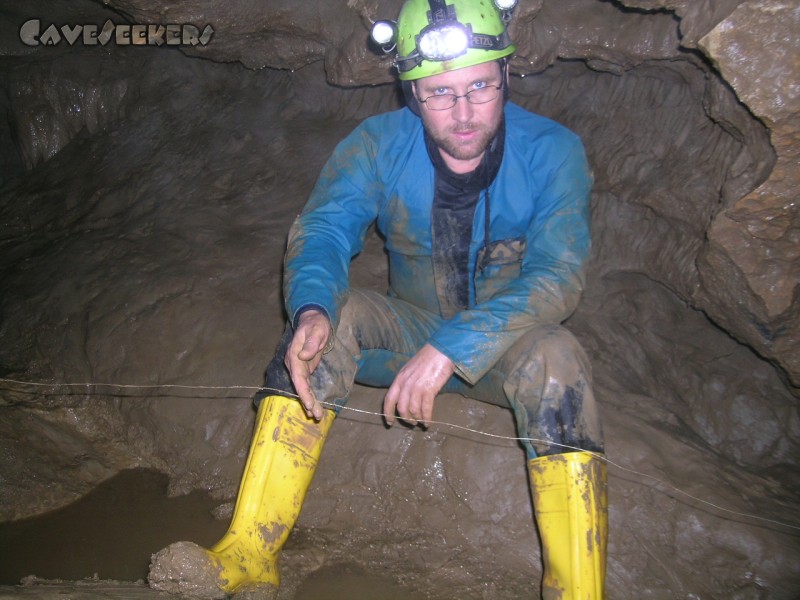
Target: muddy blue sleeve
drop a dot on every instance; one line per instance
(332, 228)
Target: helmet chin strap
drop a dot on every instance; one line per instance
(503, 62)
(413, 104)
(411, 99)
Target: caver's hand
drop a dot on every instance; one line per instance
(414, 389)
(303, 355)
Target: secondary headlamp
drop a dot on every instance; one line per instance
(384, 33)
(445, 38)
(505, 5)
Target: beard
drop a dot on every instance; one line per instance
(461, 150)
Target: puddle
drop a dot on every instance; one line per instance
(111, 532)
(345, 582)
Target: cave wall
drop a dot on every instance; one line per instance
(746, 272)
(145, 202)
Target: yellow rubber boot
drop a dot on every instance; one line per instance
(283, 457)
(570, 501)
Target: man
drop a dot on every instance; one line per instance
(484, 211)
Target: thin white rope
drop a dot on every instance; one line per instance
(134, 386)
(333, 406)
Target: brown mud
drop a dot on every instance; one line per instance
(110, 533)
(145, 201)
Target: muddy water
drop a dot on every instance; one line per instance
(112, 532)
(345, 582)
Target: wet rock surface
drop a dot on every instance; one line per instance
(145, 201)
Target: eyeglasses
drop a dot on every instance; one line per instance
(477, 96)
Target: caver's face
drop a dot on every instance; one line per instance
(462, 132)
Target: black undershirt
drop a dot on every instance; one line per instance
(455, 197)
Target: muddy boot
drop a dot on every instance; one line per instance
(283, 457)
(569, 498)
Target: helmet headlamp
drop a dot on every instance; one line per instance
(505, 5)
(384, 33)
(443, 42)
(431, 36)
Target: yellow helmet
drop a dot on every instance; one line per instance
(432, 36)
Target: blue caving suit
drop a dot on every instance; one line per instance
(492, 301)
